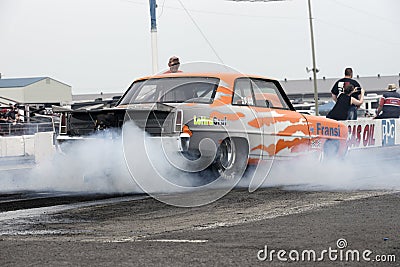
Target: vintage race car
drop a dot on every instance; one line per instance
(247, 118)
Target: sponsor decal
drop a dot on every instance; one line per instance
(388, 132)
(361, 135)
(321, 129)
(316, 143)
(214, 121)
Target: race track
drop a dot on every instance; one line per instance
(64, 229)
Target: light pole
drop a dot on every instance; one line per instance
(154, 49)
(314, 69)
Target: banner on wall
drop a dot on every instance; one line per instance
(388, 132)
(364, 133)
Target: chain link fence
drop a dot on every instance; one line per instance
(17, 129)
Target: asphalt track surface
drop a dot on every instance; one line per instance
(61, 229)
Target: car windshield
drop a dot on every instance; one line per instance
(172, 90)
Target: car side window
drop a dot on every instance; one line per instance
(243, 93)
(267, 94)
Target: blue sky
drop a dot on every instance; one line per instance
(103, 45)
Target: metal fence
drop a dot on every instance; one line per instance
(15, 129)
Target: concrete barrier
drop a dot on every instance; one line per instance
(39, 145)
(44, 147)
(12, 146)
(29, 141)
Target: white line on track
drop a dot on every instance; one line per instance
(134, 239)
(178, 240)
(29, 213)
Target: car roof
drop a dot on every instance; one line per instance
(226, 76)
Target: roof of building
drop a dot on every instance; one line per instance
(19, 82)
(324, 85)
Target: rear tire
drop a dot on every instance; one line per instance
(330, 150)
(231, 159)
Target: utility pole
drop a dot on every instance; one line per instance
(154, 49)
(314, 69)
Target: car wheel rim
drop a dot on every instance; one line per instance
(227, 154)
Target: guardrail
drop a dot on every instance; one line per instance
(17, 129)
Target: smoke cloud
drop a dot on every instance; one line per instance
(99, 165)
(364, 169)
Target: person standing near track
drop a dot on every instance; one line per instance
(344, 102)
(339, 86)
(389, 104)
(173, 65)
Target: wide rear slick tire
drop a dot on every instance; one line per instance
(330, 150)
(231, 158)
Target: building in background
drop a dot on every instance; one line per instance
(31, 97)
(303, 89)
(301, 93)
(35, 91)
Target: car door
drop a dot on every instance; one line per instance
(285, 131)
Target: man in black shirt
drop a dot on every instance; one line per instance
(341, 84)
(344, 102)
